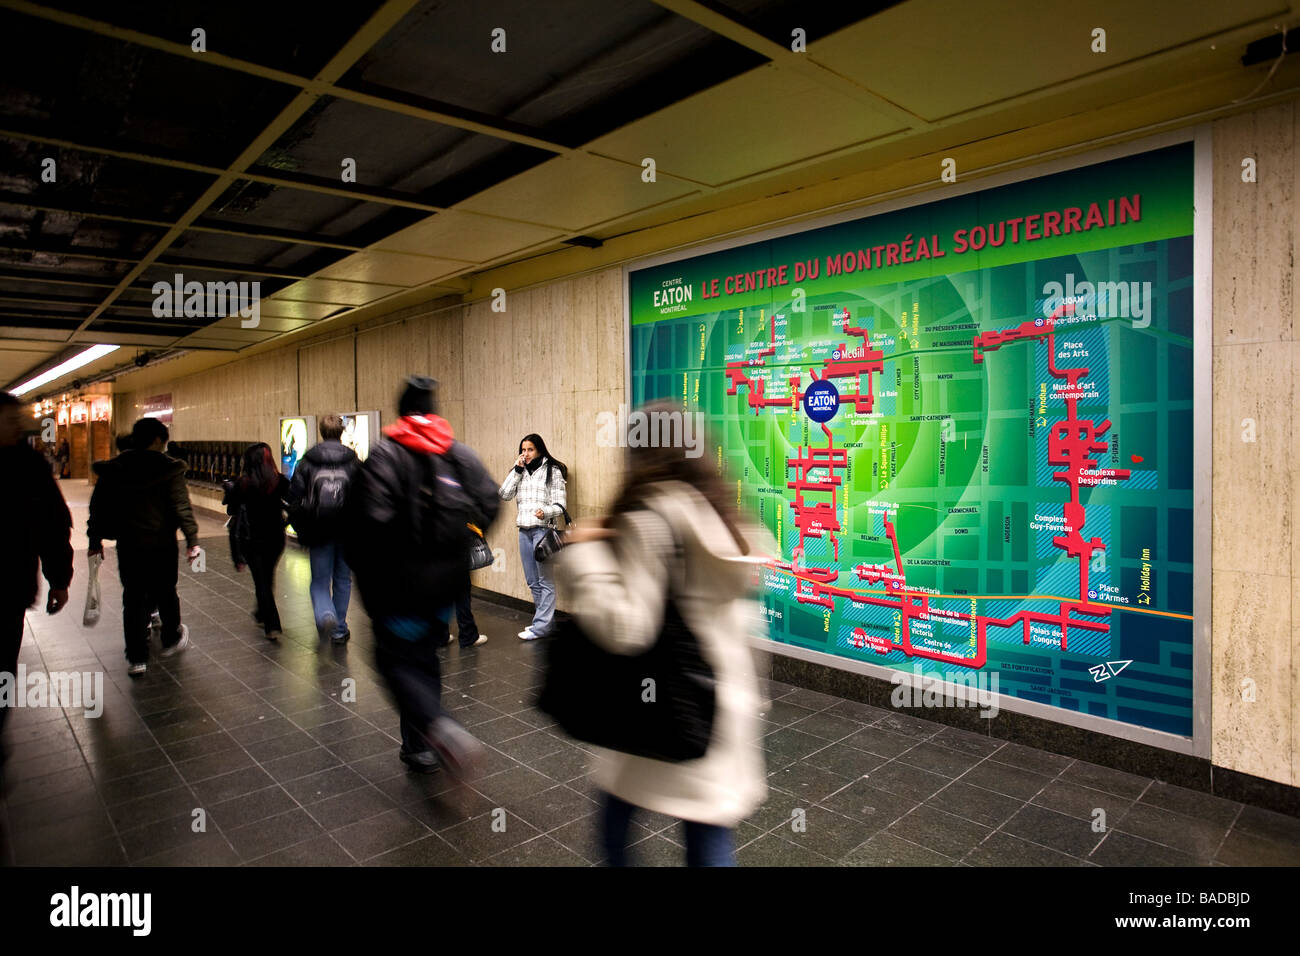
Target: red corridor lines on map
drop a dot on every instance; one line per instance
(1071, 443)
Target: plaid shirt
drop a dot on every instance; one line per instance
(532, 492)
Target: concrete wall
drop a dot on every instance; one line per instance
(1256, 483)
(549, 364)
(553, 361)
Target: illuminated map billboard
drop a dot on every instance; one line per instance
(969, 423)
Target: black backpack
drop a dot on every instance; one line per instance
(420, 562)
(327, 495)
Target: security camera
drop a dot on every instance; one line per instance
(142, 359)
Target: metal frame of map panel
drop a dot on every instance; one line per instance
(1202, 414)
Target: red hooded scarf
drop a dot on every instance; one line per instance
(422, 433)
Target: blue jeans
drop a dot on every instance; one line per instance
(328, 566)
(706, 843)
(539, 580)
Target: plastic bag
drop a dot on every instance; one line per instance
(90, 616)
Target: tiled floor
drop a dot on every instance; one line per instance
(287, 769)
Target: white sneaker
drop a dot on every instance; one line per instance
(527, 634)
(135, 670)
(482, 639)
(179, 646)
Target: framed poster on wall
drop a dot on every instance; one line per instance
(296, 436)
(973, 426)
(360, 431)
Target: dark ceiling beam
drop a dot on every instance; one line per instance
(69, 252)
(306, 183)
(233, 268)
(785, 59)
(217, 227)
(375, 97)
(25, 275)
(384, 19)
(85, 211)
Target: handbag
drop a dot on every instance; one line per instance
(659, 704)
(480, 555)
(552, 541)
(90, 616)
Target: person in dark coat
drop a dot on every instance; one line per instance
(37, 533)
(408, 543)
(256, 503)
(140, 500)
(317, 497)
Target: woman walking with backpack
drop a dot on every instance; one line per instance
(675, 538)
(537, 484)
(256, 503)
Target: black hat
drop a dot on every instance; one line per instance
(420, 397)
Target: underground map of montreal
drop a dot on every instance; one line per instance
(1004, 486)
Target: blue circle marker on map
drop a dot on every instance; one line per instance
(821, 401)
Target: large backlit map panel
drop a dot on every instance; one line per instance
(1004, 484)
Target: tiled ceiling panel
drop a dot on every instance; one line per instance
(341, 293)
(392, 268)
(776, 20)
(91, 183)
(249, 205)
(572, 192)
(461, 235)
(290, 35)
(96, 90)
(1021, 46)
(728, 144)
(609, 60)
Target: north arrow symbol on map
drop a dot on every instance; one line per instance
(1106, 671)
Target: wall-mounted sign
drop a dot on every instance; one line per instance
(360, 430)
(1005, 497)
(79, 413)
(159, 407)
(296, 436)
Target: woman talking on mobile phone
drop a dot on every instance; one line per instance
(537, 485)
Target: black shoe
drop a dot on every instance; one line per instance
(341, 637)
(426, 762)
(458, 750)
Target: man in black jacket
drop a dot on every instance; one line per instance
(409, 546)
(141, 499)
(317, 496)
(38, 530)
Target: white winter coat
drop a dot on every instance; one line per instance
(617, 588)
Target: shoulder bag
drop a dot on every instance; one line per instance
(659, 704)
(552, 541)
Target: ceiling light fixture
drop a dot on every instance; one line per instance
(72, 364)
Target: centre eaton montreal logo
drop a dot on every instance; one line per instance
(821, 401)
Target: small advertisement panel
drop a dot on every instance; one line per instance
(360, 429)
(295, 438)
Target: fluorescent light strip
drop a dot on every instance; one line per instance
(72, 364)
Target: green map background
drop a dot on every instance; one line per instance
(1144, 380)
